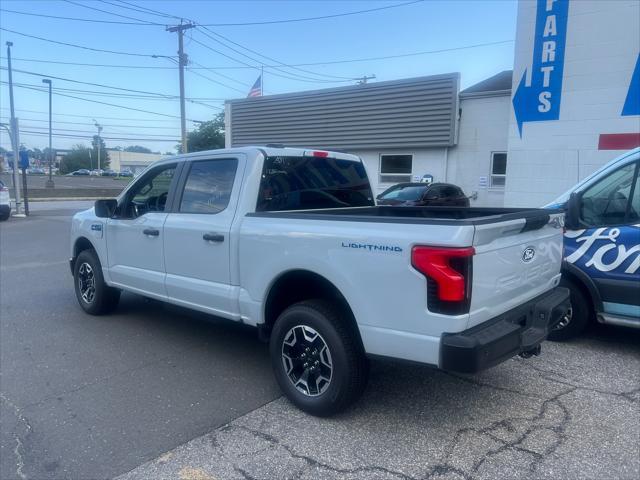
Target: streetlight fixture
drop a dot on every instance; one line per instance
(49, 183)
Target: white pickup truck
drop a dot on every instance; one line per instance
(291, 241)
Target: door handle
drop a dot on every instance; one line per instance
(152, 232)
(213, 237)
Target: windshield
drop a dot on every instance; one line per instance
(406, 193)
(302, 183)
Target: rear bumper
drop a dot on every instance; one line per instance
(516, 331)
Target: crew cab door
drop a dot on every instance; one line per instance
(134, 235)
(607, 246)
(196, 235)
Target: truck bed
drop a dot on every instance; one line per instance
(534, 217)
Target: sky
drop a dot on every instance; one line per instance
(224, 60)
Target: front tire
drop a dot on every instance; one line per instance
(576, 321)
(317, 358)
(93, 294)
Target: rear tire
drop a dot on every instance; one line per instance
(317, 359)
(93, 294)
(574, 323)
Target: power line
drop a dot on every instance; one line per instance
(112, 95)
(140, 8)
(257, 67)
(115, 52)
(89, 20)
(302, 77)
(101, 85)
(212, 80)
(246, 66)
(88, 123)
(222, 75)
(156, 12)
(46, 129)
(173, 140)
(109, 104)
(304, 19)
(293, 67)
(94, 116)
(112, 13)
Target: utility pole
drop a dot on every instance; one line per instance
(15, 144)
(182, 62)
(363, 80)
(99, 127)
(49, 183)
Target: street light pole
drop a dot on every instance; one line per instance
(49, 183)
(99, 127)
(182, 63)
(15, 145)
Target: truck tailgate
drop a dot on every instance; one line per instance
(515, 261)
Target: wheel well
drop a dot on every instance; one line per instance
(579, 283)
(299, 285)
(81, 244)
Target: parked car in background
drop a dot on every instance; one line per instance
(602, 247)
(5, 202)
(36, 171)
(82, 171)
(109, 173)
(423, 195)
(96, 172)
(125, 173)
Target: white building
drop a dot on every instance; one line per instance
(132, 161)
(517, 139)
(590, 49)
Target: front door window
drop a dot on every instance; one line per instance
(150, 193)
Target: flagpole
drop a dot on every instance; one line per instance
(261, 80)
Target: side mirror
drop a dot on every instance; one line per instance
(572, 214)
(379, 196)
(105, 208)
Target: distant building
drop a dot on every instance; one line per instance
(133, 161)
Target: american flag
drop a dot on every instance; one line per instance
(256, 90)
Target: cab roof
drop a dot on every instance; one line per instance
(268, 150)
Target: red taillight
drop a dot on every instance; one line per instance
(436, 263)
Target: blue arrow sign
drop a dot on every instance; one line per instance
(632, 103)
(539, 99)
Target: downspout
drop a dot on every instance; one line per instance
(446, 163)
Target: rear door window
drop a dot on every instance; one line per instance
(208, 186)
(304, 183)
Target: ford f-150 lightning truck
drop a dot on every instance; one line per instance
(291, 241)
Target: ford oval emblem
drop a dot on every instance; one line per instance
(528, 254)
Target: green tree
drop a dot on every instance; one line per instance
(208, 136)
(137, 149)
(79, 157)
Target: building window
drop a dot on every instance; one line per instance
(395, 168)
(498, 169)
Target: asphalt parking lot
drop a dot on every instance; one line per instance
(158, 392)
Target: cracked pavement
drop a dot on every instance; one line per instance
(573, 412)
(161, 394)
